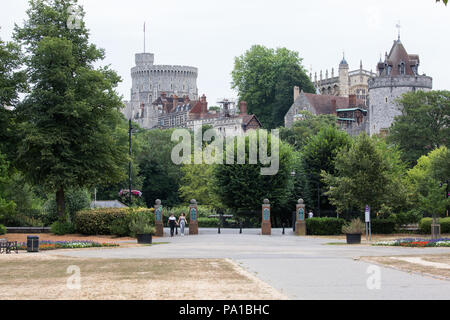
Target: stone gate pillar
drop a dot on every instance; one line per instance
(159, 223)
(300, 224)
(193, 217)
(266, 226)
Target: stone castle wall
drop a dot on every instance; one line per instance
(383, 95)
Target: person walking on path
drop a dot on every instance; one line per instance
(172, 224)
(182, 223)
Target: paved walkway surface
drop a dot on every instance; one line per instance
(299, 267)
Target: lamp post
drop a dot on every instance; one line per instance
(130, 132)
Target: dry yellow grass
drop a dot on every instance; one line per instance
(395, 263)
(42, 276)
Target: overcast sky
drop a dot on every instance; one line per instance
(208, 34)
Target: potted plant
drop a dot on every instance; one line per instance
(353, 231)
(142, 228)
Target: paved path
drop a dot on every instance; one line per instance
(300, 267)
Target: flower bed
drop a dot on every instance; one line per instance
(53, 245)
(415, 243)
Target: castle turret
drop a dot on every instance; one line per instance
(343, 78)
(398, 74)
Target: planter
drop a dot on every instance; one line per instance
(144, 238)
(353, 238)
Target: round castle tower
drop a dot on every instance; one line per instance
(398, 74)
(150, 80)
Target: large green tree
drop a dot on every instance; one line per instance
(161, 177)
(319, 155)
(265, 79)
(365, 174)
(300, 133)
(429, 179)
(68, 119)
(12, 82)
(424, 124)
(243, 187)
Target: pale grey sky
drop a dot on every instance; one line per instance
(208, 34)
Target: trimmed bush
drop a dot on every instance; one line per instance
(425, 225)
(2, 229)
(383, 226)
(324, 226)
(111, 221)
(62, 228)
(208, 222)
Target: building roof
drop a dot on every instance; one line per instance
(396, 57)
(107, 204)
(323, 104)
(351, 109)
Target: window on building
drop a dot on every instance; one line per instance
(402, 68)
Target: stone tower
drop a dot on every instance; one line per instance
(398, 74)
(343, 78)
(149, 81)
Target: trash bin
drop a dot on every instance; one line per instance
(32, 244)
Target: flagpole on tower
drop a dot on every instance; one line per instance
(144, 37)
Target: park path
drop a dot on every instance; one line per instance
(299, 267)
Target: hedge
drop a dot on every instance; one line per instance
(425, 225)
(324, 226)
(107, 221)
(2, 229)
(208, 222)
(383, 226)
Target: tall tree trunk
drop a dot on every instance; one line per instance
(61, 202)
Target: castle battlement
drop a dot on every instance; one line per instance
(401, 81)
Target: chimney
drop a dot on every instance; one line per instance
(352, 100)
(204, 104)
(296, 92)
(334, 106)
(175, 101)
(243, 107)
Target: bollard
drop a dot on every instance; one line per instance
(283, 229)
(240, 225)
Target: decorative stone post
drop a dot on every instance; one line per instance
(300, 225)
(159, 223)
(193, 217)
(266, 226)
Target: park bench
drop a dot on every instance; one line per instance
(8, 246)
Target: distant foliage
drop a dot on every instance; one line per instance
(324, 226)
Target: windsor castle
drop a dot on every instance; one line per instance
(362, 100)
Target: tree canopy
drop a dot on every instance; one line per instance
(364, 175)
(265, 79)
(424, 124)
(67, 121)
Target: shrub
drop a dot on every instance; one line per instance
(324, 226)
(425, 225)
(356, 226)
(76, 200)
(141, 223)
(108, 221)
(2, 229)
(62, 228)
(405, 218)
(208, 222)
(383, 226)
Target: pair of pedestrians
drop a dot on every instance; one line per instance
(173, 223)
